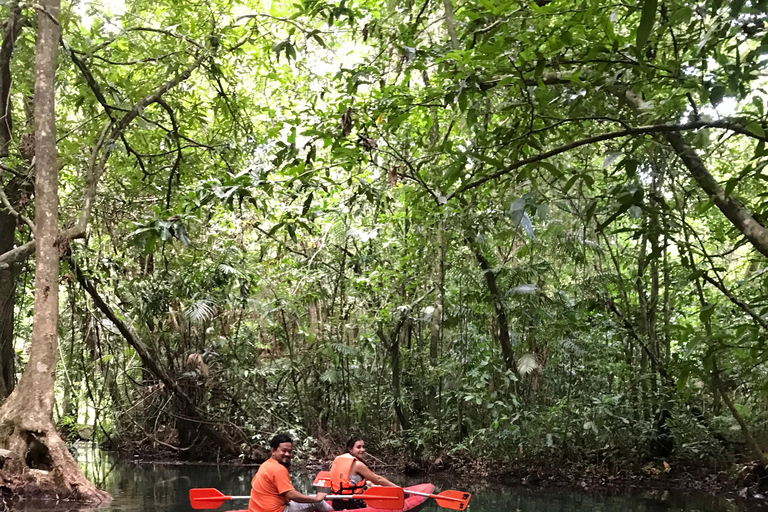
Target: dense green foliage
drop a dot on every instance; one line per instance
(482, 231)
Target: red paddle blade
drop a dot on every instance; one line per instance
(456, 500)
(323, 479)
(206, 498)
(391, 498)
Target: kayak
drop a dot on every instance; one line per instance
(412, 502)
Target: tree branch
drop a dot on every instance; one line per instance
(739, 215)
(177, 163)
(738, 302)
(13, 212)
(17, 254)
(150, 363)
(106, 144)
(639, 130)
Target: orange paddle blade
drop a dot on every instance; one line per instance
(323, 479)
(206, 498)
(391, 498)
(454, 500)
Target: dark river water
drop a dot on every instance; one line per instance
(142, 487)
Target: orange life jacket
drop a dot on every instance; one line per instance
(340, 469)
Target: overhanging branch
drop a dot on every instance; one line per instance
(639, 130)
(104, 147)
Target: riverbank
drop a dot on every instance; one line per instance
(745, 483)
(741, 482)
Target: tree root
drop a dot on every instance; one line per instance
(38, 466)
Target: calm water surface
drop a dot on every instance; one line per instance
(164, 488)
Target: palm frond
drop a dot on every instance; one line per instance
(525, 289)
(200, 311)
(527, 363)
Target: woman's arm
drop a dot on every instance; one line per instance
(362, 470)
(296, 496)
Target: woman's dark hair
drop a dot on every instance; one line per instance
(278, 440)
(352, 441)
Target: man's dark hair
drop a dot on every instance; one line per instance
(278, 440)
(352, 441)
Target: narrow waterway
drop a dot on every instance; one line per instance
(148, 487)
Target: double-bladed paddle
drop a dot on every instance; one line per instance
(454, 500)
(391, 498)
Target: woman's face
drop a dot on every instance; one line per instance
(358, 449)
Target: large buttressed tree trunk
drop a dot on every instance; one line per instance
(26, 418)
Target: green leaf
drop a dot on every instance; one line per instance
(570, 183)
(290, 52)
(307, 204)
(706, 312)
(551, 168)
(319, 40)
(736, 7)
(730, 185)
(681, 16)
(647, 19)
(756, 129)
(716, 94)
(275, 228)
(631, 167)
(463, 101)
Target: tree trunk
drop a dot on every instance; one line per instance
(758, 452)
(7, 297)
(26, 417)
(642, 307)
(396, 392)
(8, 221)
(10, 33)
(436, 325)
(498, 302)
(449, 25)
(392, 343)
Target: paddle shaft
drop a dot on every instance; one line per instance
(330, 497)
(222, 498)
(436, 496)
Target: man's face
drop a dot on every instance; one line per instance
(283, 454)
(358, 449)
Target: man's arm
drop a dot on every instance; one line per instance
(369, 475)
(294, 495)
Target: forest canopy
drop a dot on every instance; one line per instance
(481, 228)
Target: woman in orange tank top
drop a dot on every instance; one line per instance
(349, 475)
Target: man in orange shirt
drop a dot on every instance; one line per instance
(271, 488)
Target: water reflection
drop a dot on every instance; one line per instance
(148, 487)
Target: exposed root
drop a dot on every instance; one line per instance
(38, 466)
